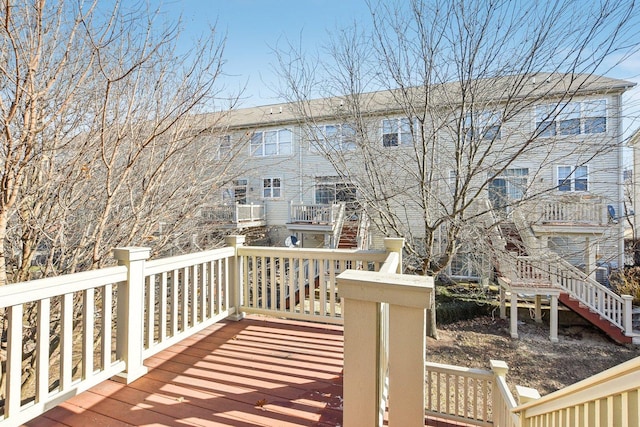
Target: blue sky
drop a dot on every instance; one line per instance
(254, 27)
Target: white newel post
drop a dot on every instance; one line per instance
(130, 312)
(628, 314)
(553, 317)
(235, 276)
(514, 315)
(408, 297)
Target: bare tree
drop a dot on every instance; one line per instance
(459, 81)
(102, 140)
(101, 137)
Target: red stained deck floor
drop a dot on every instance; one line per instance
(256, 372)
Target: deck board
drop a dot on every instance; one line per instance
(255, 372)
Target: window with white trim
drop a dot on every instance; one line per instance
(334, 137)
(272, 143)
(483, 124)
(224, 147)
(237, 193)
(508, 187)
(396, 132)
(572, 118)
(271, 188)
(573, 178)
(332, 189)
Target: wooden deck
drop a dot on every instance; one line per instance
(256, 372)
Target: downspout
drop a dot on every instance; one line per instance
(621, 211)
(300, 169)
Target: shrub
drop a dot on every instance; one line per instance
(627, 282)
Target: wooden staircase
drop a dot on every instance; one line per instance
(349, 235)
(571, 281)
(512, 238)
(614, 332)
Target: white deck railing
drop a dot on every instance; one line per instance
(236, 213)
(76, 304)
(459, 394)
(314, 214)
(299, 283)
(611, 306)
(609, 398)
(568, 210)
(108, 321)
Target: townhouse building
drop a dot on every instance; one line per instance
(539, 154)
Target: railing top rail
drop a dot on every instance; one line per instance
(620, 378)
(172, 263)
(377, 256)
(568, 268)
(391, 263)
(308, 205)
(35, 290)
(459, 370)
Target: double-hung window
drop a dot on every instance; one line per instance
(572, 118)
(572, 178)
(271, 188)
(334, 137)
(224, 147)
(396, 132)
(271, 143)
(483, 124)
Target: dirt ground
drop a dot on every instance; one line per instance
(533, 360)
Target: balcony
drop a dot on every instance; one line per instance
(180, 343)
(238, 216)
(567, 214)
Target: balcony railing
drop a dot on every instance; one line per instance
(319, 214)
(235, 214)
(107, 322)
(567, 210)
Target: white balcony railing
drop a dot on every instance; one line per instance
(235, 214)
(319, 214)
(567, 210)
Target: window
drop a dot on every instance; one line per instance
(237, 193)
(331, 189)
(339, 137)
(572, 118)
(396, 132)
(271, 143)
(224, 147)
(595, 116)
(509, 186)
(483, 125)
(573, 178)
(271, 188)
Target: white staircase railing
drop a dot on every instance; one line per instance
(579, 285)
(337, 226)
(609, 398)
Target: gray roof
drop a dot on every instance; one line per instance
(496, 90)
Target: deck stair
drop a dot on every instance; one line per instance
(579, 291)
(349, 235)
(613, 331)
(512, 238)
